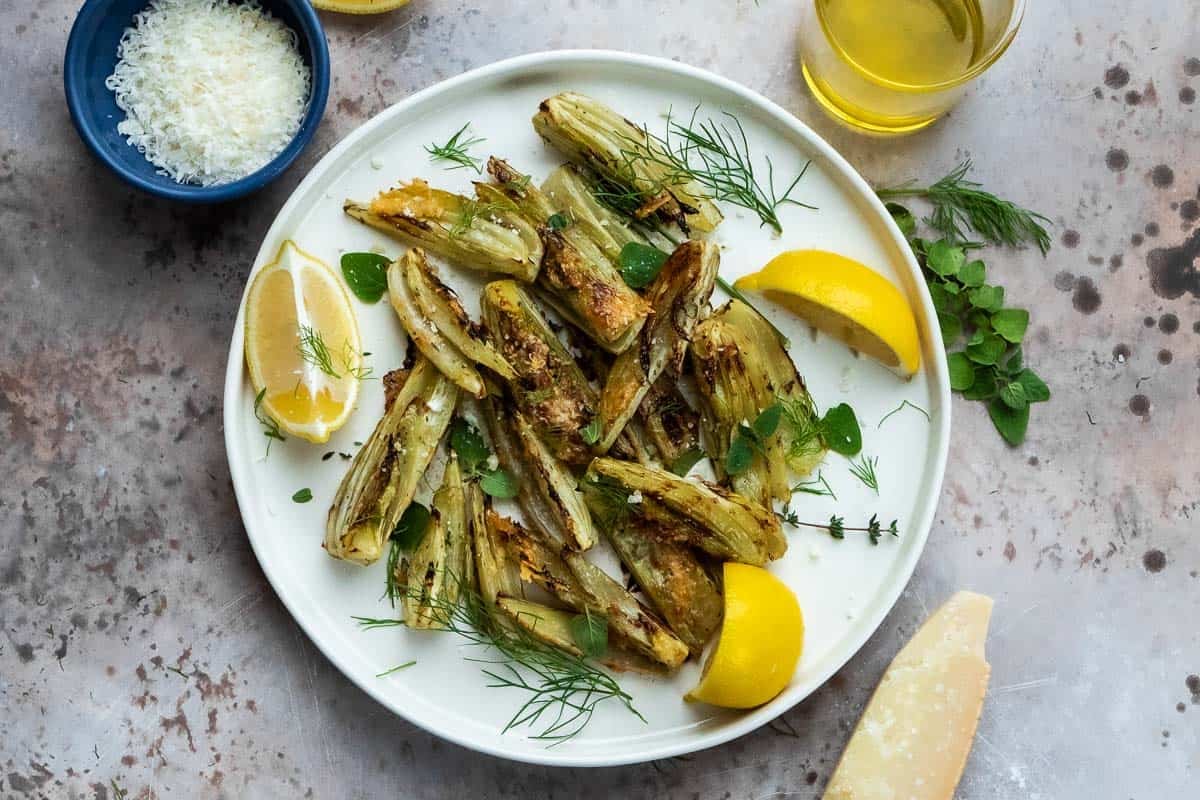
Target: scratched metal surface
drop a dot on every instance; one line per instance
(142, 648)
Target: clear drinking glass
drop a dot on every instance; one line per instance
(895, 66)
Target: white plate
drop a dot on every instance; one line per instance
(845, 588)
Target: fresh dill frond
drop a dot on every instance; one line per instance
(717, 157)
(315, 351)
(900, 408)
(563, 690)
(470, 210)
(610, 500)
(805, 441)
(359, 370)
(864, 470)
(394, 589)
(836, 527)
(269, 424)
(817, 486)
(394, 669)
(961, 205)
(455, 150)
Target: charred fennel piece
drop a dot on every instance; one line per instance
(735, 387)
(678, 585)
(496, 572)
(549, 625)
(384, 474)
(578, 278)
(557, 485)
(627, 156)
(730, 527)
(570, 191)
(441, 306)
(440, 566)
(679, 295)
(481, 236)
(575, 581)
(671, 425)
(803, 446)
(549, 387)
(424, 334)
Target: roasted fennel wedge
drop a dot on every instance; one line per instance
(580, 280)
(474, 234)
(441, 306)
(440, 567)
(679, 295)
(627, 157)
(496, 571)
(549, 625)
(549, 387)
(571, 192)
(384, 474)
(423, 333)
(671, 425)
(678, 585)
(721, 523)
(578, 583)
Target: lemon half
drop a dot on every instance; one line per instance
(295, 302)
(760, 642)
(845, 299)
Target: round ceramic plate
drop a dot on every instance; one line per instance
(845, 587)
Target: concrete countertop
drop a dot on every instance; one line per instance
(141, 647)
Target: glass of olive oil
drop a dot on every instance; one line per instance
(895, 66)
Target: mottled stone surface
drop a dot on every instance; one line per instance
(142, 647)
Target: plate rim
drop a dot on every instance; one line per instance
(938, 378)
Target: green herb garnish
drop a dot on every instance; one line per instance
(408, 533)
(455, 151)
(563, 690)
(750, 439)
(900, 408)
(366, 275)
(960, 205)
(557, 222)
(313, 350)
(717, 157)
(470, 210)
(590, 633)
(640, 264)
(686, 460)
(836, 527)
(473, 456)
(269, 424)
(864, 470)
(396, 668)
(302, 496)
(839, 429)
(590, 433)
(817, 486)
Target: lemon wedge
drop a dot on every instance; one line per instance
(302, 344)
(845, 299)
(358, 6)
(760, 641)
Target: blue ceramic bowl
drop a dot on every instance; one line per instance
(91, 57)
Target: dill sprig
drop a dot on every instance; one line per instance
(836, 527)
(864, 470)
(805, 440)
(455, 151)
(961, 205)
(359, 371)
(269, 424)
(394, 589)
(563, 690)
(315, 351)
(717, 157)
(900, 408)
(470, 210)
(609, 499)
(395, 669)
(817, 486)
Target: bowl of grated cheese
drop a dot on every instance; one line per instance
(200, 101)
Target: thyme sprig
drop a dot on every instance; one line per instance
(563, 690)
(455, 151)
(961, 205)
(836, 527)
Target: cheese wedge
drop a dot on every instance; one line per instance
(913, 740)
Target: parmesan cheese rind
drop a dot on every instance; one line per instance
(914, 738)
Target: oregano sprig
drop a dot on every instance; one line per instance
(478, 462)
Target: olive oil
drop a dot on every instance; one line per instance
(912, 42)
(894, 66)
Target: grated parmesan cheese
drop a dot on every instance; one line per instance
(212, 90)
